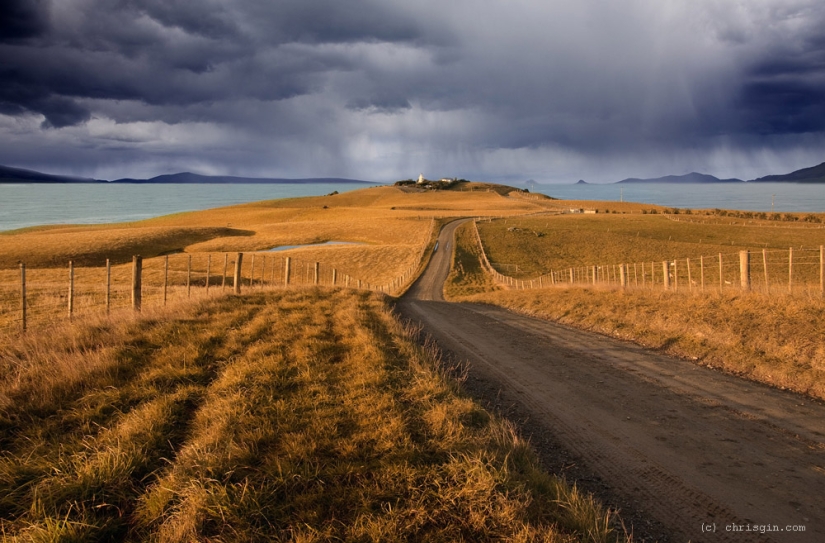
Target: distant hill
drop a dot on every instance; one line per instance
(187, 177)
(815, 174)
(687, 178)
(19, 175)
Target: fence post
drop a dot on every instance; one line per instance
(252, 273)
(137, 271)
(71, 289)
(666, 269)
(675, 276)
(690, 279)
(593, 269)
(622, 276)
(225, 266)
(287, 270)
(790, 269)
(23, 295)
(236, 287)
(188, 276)
(721, 284)
(702, 270)
(359, 284)
(208, 265)
(635, 276)
(745, 269)
(317, 273)
(765, 267)
(108, 286)
(334, 276)
(571, 276)
(263, 270)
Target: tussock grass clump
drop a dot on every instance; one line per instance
(301, 415)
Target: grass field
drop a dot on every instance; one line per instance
(777, 339)
(526, 247)
(301, 415)
(389, 229)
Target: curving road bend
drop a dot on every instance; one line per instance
(693, 454)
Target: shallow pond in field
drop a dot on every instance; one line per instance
(288, 247)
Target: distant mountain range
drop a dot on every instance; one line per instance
(687, 178)
(18, 175)
(815, 174)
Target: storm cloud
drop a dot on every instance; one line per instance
(382, 90)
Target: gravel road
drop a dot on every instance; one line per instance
(686, 453)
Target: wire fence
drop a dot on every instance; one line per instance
(37, 297)
(766, 271)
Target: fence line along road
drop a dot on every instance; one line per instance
(156, 281)
(765, 271)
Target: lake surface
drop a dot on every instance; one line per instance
(35, 204)
(742, 196)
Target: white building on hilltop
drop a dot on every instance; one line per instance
(421, 179)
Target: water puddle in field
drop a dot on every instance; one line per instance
(289, 247)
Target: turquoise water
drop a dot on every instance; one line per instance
(36, 204)
(288, 247)
(32, 205)
(742, 196)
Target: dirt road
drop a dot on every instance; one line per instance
(689, 448)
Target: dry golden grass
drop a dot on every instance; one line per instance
(390, 226)
(777, 339)
(302, 415)
(527, 247)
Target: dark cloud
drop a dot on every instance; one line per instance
(22, 19)
(321, 84)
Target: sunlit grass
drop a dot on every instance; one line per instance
(297, 415)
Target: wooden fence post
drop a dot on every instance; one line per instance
(252, 273)
(745, 269)
(666, 269)
(721, 284)
(571, 276)
(263, 270)
(690, 279)
(593, 269)
(635, 276)
(108, 286)
(71, 289)
(23, 296)
(334, 276)
(790, 269)
(237, 277)
(675, 276)
(225, 266)
(317, 273)
(165, 277)
(208, 265)
(188, 276)
(287, 270)
(137, 271)
(622, 276)
(702, 270)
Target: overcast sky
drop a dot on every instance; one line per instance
(500, 90)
